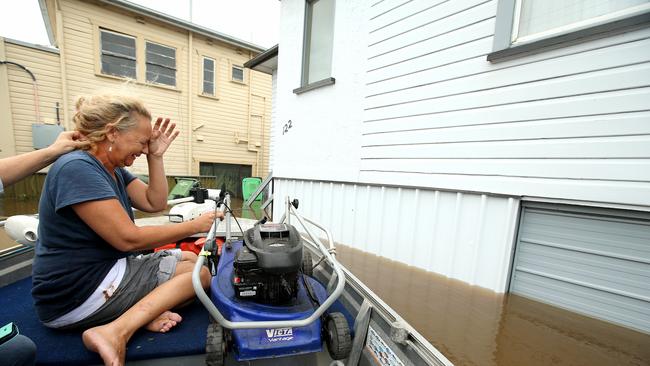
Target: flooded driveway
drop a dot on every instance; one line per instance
(474, 326)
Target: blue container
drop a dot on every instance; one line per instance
(250, 344)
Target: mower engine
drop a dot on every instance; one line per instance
(266, 268)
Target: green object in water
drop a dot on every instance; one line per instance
(182, 188)
(249, 186)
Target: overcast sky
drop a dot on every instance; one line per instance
(255, 21)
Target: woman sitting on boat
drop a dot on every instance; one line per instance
(85, 272)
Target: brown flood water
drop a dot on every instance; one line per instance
(475, 326)
(470, 325)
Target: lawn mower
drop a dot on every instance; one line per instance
(263, 300)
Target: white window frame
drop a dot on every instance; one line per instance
(243, 74)
(101, 53)
(305, 83)
(507, 43)
(214, 76)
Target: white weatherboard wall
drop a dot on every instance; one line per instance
(569, 123)
(417, 104)
(323, 142)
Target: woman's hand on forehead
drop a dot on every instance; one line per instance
(162, 135)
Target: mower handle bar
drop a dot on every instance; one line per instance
(216, 314)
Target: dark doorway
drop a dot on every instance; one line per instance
(230, 174)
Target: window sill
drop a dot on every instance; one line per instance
(560, 40)
(315, 85)
(129, 80)
(208, 96)
(238, 82)
(115, 77)
(162, 86)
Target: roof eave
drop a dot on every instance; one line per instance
(182, 24)
(259, 62)
(46, 19)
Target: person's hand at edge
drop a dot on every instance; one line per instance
(68, 141)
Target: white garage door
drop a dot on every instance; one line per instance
(592, 261)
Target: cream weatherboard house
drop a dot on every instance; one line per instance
(193, 75)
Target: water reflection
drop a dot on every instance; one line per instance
(474, 326)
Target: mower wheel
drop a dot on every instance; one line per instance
(337, 336)
(215, 345)
(307, 265)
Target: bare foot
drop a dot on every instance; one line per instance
(164, 322)
(110, 348)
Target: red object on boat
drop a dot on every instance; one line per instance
(188, 245)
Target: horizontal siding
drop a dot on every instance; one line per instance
(626, 147)
(45, 67)
(389, 57)
(229, 114)
(627, 170)
(437, 113)
(571, 68)
(627, 124)
(79, 20)
(221, 118)
(630, 77)
(460, 235)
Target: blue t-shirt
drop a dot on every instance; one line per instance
(71, 259)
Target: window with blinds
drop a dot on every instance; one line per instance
(523, 26)
(160, 64)
(537, 18)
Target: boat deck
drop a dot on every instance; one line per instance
(56, 347)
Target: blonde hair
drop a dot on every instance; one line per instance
(96, 114)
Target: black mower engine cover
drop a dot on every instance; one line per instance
(278, 247)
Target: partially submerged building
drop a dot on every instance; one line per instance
(502, 143)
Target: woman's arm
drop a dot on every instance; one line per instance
(153, 197)
(15, 168)
(108, 219)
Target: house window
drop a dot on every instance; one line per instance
(525, 25)
(319, 32)
(238, 73)
(117, 54)
(208, 76)
(161, 64)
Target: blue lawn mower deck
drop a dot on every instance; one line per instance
(264, 302)
(255, 343)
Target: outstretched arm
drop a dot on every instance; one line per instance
(109, 220)
(15, 168)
